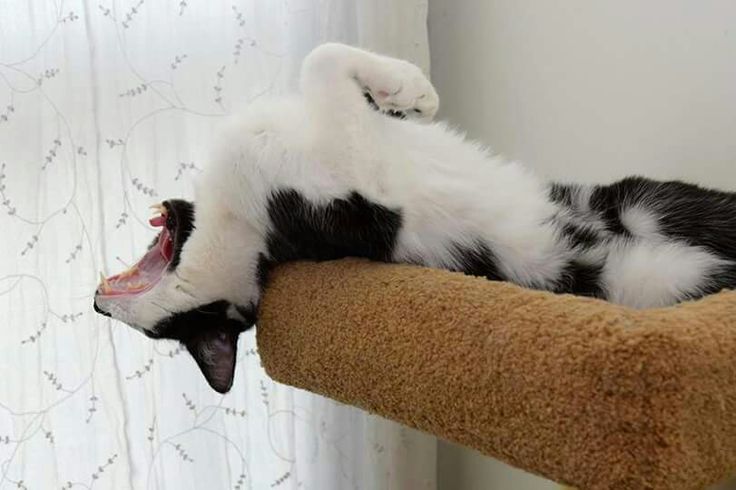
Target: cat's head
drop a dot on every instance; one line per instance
(157, 298)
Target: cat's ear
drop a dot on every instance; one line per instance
(215, 349)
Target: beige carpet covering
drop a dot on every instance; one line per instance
(577, 390)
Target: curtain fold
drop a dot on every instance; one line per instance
(105, 108)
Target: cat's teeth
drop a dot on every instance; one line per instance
(133, 270)
(105, 284)
(134, 286)
(158, 208)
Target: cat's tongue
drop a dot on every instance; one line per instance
(157, 221)
(147, 271)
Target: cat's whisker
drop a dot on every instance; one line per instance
(127, 266)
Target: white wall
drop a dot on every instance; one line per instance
(587, 90)
(593, 89)
(459, 468)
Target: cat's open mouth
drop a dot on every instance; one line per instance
(149, 270)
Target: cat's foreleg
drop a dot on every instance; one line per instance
(336, 77)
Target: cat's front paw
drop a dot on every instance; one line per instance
(397, 86)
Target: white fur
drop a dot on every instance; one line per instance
(657, 273)
(640, 223)
(326, 142)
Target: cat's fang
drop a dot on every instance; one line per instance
(130, 272)
(104, 284)
(158, 208)
(135, 287)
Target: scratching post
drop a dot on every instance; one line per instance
(577, 390)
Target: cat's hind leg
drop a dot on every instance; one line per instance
(337, 79)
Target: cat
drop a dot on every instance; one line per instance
(353, 166)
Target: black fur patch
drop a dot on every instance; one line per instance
(562, 194)
(347, 227)
(580, 236)
(686, 212)
(581, 279)
(185, 325)
(696, 215)
(249, 313)
(477, 260)
(608, 202)
(180, 223)
(264, 264)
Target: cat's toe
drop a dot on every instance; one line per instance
(404, 89)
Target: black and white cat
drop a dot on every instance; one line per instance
(323, 175)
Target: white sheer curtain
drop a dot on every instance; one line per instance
(105, 107)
